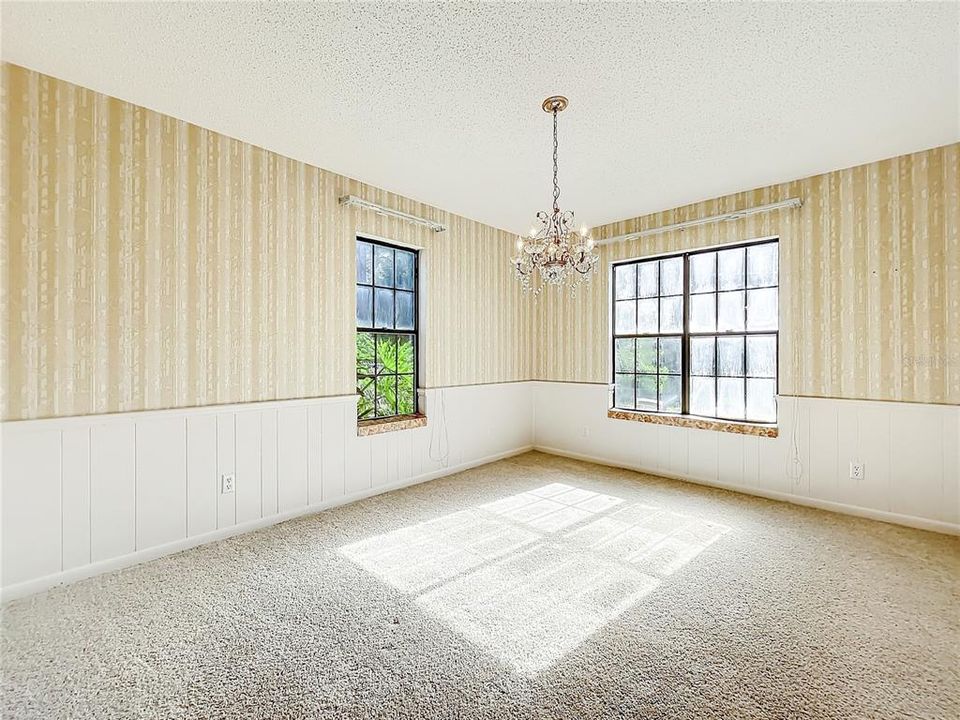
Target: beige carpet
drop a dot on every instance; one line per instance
(535, 587)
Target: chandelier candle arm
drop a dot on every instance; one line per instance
(555, 253)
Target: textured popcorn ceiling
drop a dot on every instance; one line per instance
(669, 103)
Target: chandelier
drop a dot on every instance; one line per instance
(555, 253)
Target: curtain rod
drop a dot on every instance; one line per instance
(354, 201)
(724, 217)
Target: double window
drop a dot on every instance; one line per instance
(386, 330)
(696, 333)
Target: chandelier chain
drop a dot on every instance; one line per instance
(556, 181)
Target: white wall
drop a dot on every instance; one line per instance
(911, 452)
(87, 494)
(84, 495)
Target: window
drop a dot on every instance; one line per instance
(696, 333)
(386, 330)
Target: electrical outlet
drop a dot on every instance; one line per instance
(856, 471)
(226, 483)
(584, 432)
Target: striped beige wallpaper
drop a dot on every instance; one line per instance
(870, 281)
(149, 263)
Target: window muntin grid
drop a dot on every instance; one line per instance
(727, 333)
(386, 317)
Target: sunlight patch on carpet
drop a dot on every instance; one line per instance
(529, 577)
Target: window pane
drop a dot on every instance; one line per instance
(702, 396)
(383, 308)
(670, 355)
(364, 263)
(623, 391)
(626, 318)
(647, 316)
(702, 356)
(383, 265)
(762, 309)
(404, 270)
(406, 404)
(730, 269)
(730, 356)
(646, 355)
(671, 314)
(365, 403)
(730, 311)
(386, 395)
(762, 356)
(646, 392)
(761, 400)
(624, 355)
(730, 398)
(386, 354)
(405, 353)
(669, 393)
(703, 272)
(364, 307)
(626, 281)
(762, 265)
(365, 354)
(404, 310)
(647, 279)
(671, 276)
(703, 313)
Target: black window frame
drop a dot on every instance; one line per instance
(375, 331)
(686, 335)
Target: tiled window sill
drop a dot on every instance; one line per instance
(699, 423)
(385, 425)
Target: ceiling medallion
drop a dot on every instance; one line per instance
(555, 253)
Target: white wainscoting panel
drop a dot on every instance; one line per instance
(202, 492)
(314, 479)
(113, 488)
(269, 463)
(84, 495)
(249, 466)
(31, 508)
(333, 458)
(75, 479)
(161, 488)
(910, 452)
(291, 457)
(226, 465)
